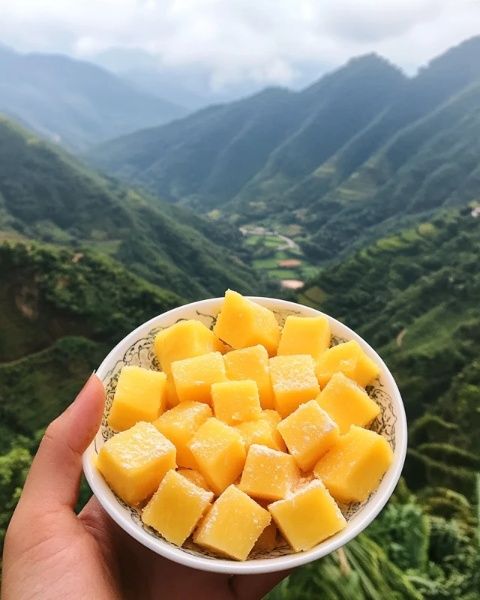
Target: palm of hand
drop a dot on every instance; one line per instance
(50, 552)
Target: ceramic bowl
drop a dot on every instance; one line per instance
(137, 349)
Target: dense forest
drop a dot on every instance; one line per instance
(386, 207)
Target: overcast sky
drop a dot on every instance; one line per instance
(237, 41)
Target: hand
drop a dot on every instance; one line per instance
(52, 553)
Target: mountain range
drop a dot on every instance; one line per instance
(340, 159)
(74, 102)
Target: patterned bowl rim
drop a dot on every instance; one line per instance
(356, 525)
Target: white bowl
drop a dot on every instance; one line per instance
(137, 349)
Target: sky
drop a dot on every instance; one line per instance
(261, 42)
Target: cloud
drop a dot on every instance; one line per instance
(235, 41)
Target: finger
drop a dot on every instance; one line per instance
(252, 587)
(54, 477)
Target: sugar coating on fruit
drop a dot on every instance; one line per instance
(140, 395)
(307, 516)
(193, 377)
(252, 363)
(236, 401)
(233, 524)
(134, 461)
(308, 433)
(219, 452)
(293, 381)
(268, 474)
(184, 339)
(351, 360)
(179, 424)
(242, 323)
(354, 466)
(176, 507)
(347, 403)
(262, 432)
(305, 335)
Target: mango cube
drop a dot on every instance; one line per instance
(308, 433)
(347, 403)
(193, 377)
(305, 335)
(267, 540)
(184, 339)
(135, 461)
(262, 432)
(195, 477)
(236, 401)
(242, 323)
(351, 360)
(274, 419)
(252, 363)
(176, 507)
(171, 393)
(293, 381)
(354, 466)
(268, 474)
(233, 524)
(179, 424)
(140, 395)
(219, 452)
(308, 516)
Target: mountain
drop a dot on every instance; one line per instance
(209, 157)
(74, 102)
(47, 195)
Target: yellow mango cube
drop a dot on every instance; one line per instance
(347, 403)
(236, 401)
(140, 395)
(179, 424)
(193, 377)
(293, 381)
(184, 339)
(262, 432)
(134, 462)
(219, 452)
(233, 524)
(252, 363)
(176, 507)
(354, 466)
(274, 419)
(268, 474)
(267, 540)
(308, 516)
(351, 360)
(195, 477)
(242, 323)
(308, 433)
(305, 335)
(171, 393)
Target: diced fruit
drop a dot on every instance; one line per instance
(308, 433)
(262, 432)
(135, 461)
(274, 419)
(233, 524)
(308, 516)
(267, 540)
(219, 452)
(172, 398)
(347, 403)
(140, 395)
(176, 507)
(268, 474)
(354, 466)
(236, 401)
(179, 424)
(305, 335)
(242, 323)
(195, 477)
(252, 363)
(351, 360)
(193, 377)
(185, 339)
(293, 381)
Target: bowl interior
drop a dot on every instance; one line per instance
(137, 349)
